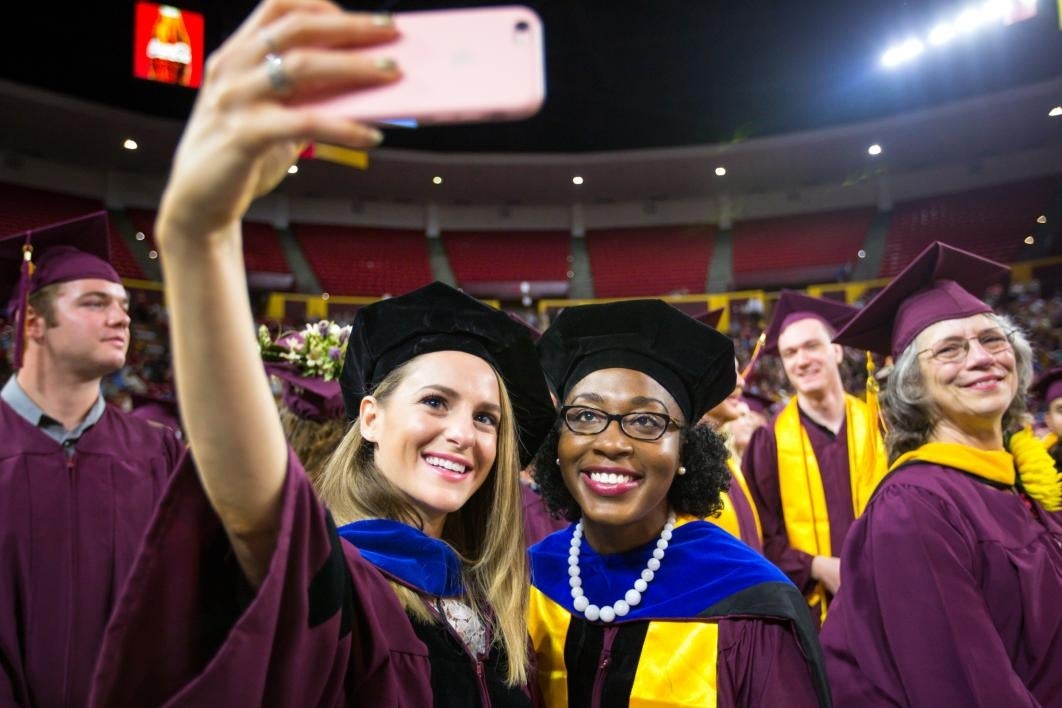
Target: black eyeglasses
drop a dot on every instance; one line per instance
(640, 425)
(955, 349)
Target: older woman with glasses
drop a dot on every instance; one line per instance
(641, 601)
(953, 575)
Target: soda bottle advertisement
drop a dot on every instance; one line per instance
(168, 45)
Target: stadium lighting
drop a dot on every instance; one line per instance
(720, 171)
(436, 179)
(293, 170)
(1030, 240)
(1055, 112)
(874, 149)
(903, 53)
(977, 15)
(130, 144)
(942, 34)
(577, 179)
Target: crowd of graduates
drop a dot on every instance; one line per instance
(439, 505)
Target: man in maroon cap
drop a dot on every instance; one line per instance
(78, 478)
(1048, 388)
(811, 471)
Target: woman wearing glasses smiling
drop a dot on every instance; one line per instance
(953, 575)
(641, 601)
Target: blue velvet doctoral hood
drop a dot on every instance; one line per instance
(408, 555)
(702, 566)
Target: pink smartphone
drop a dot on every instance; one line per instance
(458, 66)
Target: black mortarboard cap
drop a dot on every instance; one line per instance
(388, 333)
(693, 361)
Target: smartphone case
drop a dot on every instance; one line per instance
(458, 66)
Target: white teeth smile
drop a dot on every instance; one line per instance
(445, 464)
(610, 478)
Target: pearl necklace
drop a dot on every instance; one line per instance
(633, 596)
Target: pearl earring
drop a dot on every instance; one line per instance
(558, 462)
(681, 471)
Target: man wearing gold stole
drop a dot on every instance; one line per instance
(812, 471)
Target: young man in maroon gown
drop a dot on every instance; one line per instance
(810, 470)
(78, 479)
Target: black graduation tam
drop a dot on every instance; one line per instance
(693, 361)
(388, 333)
(793, 306)
(936, 286)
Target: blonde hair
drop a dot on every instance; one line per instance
(484, 532)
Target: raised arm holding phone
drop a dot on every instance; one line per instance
(418, 597)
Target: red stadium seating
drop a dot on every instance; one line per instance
(261, 249)
(25, 207)
(797, 250)
(992, 222)
(650, 261)
(363, 261)
(483, 256)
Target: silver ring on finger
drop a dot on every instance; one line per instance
(278, 77)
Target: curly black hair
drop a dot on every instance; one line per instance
(696, 493)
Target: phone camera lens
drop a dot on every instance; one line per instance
(522, 26)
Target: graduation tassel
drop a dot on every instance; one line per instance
(873, 388)
(26, 274)
(755, 354)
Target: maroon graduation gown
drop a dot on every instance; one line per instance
(69, 532)
(537, 522)
(952, 596)
(760, 465)
(325, 628)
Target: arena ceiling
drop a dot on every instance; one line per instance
(621, 74)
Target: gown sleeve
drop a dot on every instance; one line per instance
(911, 626)
(760, 663)
(323, 629)
(760, 466)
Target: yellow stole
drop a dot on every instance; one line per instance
(993, 465)
(728, 518)
(677, 666)
(1049, 441)
(807, 521)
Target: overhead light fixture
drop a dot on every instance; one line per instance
(140, 236)
(874, 149)
(1055, 112)
(942, 34)
(902, 53)
(436, 179)
(293, 170)
(577, 179)
(1030, 240)
(861, 253)
(720, 171)
(1042, 219)
(325, 296)
(153, 254)
(130, 144)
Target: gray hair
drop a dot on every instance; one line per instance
(912, 416)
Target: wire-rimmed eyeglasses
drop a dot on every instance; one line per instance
(954, 350)
(640, 425)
